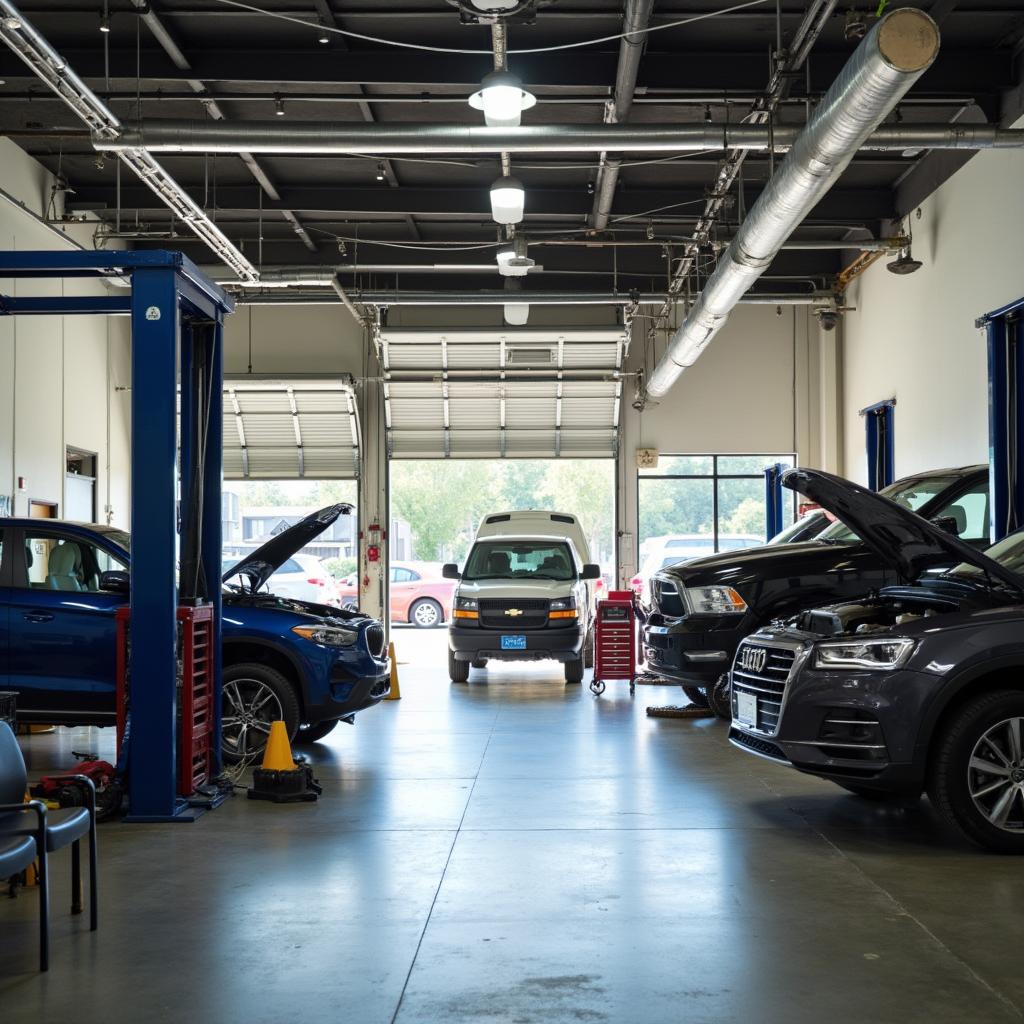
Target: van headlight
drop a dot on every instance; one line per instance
(466, 608)
(714, 601)
(327, 636)
(562, 608)
(876, 655)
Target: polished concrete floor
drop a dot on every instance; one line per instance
(518, 851)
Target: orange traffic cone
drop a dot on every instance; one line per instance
(278, 755)
(395, 692)
(280, 779)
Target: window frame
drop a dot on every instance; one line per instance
(714, 476)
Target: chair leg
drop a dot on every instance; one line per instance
(76, 877)
(94, 896)
(44, 913)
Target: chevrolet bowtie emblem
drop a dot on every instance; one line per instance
(513, 611)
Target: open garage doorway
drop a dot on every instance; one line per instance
(437, 505)
(323, 570)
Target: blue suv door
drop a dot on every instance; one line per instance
(62, 646)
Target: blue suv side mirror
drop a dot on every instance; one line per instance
(116, 580)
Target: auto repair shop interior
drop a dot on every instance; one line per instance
(509, 511)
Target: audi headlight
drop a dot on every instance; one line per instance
(876, 655)
(327, 636)
(714, 601)
(563, 604)
(467, 604)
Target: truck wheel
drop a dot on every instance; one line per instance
(426, 614)
(976, 777)
(696, 696)
(254, 696)
(574, 671)
(458, 671)
(588, 649)
(313, 733)
(719, 697)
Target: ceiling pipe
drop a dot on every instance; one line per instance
(893, 55)
(636, 19)
(173, 136)
(53, 70)
(499, 298)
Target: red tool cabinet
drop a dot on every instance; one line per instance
(195, 692)
(614, 640)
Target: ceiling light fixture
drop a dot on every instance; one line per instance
(516, 313)
(104, 23)
(503, 99)
(513, 261)
(508, 200)
(380, 171)
(904, 263)
(324, 37)
(279, 106)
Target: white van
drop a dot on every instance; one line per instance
(523, 595)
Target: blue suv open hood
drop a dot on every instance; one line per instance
(268, 558)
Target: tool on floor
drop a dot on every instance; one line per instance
(281, 779)
(396, 692)
(675, 711)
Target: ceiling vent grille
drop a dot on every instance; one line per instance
(529, 357)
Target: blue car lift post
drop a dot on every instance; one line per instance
(177, 328)
(1005, 424)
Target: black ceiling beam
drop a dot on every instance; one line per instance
(971, 72)
(844, 203)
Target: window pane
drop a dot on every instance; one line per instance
(741, 514)
(970, 511)
(676, 520)
(66, 563)
(730, 465)
(682, 465)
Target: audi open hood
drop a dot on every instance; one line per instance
(901, 538)
(258, 567)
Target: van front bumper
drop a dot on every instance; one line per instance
(562, 643)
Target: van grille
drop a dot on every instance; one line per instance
(494, 613)
(767, 682)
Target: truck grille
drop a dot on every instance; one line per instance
(529, 613)
(666, 598)
(375, 640)
(765, 677)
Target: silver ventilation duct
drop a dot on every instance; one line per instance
(636, 18)
(894, 54)
(170, 136)
(33, 49)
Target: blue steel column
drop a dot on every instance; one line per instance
(1006, 431)
(773, 511)
(151, 762)
(211, 548)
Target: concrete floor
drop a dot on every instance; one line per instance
(518, 851)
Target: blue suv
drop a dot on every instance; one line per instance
(307, 664)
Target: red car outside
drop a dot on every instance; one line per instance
(419, 594)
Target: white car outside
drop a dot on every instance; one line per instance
(303, 577)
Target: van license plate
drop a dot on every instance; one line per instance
(746, 709)
(513, 643)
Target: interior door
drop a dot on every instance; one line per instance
(62, 653)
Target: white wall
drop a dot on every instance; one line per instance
(913, 338)
(58, 374)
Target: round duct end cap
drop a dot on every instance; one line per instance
(908, 39)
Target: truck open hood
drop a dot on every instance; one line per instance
(901, 538)
(259, 566)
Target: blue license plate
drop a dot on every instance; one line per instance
(513, 643)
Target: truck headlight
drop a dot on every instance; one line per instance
(562, 608)
(877, 655)
(466, 608)
(327, 636)
(714, 601)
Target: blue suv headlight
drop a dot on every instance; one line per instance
(327, 636)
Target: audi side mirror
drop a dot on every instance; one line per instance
(116, 581)
(948, 524)
(450, 571)
(591, 571)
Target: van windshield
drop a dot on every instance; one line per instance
(519, 559)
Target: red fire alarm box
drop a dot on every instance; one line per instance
(614, 640)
